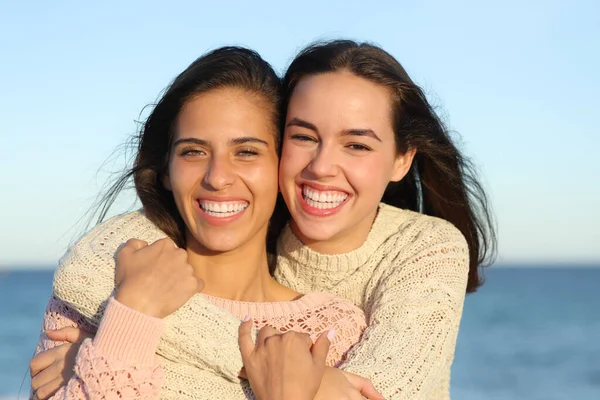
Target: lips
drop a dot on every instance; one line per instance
(321, 201)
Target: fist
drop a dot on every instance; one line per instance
(154, 279)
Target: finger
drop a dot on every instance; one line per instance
(264, 333)
(49, 389)
(245, 339)
(200, 284)
(167, 242)
(355, 395)
(363, 385)
(45, 359)
(46, 376)
(123, 253)
(320, 349)
(136, 244)
(69, 334)
(243, 374)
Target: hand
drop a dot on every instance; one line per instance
(155, 280)
(283, 365)
(338, 384)
(52, 369)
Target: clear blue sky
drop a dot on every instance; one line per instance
(518, 82)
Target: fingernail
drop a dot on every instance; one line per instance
(246, 319)
(331, 334)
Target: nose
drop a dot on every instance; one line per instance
(219, 174)
(323, 163)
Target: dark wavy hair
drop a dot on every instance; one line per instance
(441, 182)
(234, 67)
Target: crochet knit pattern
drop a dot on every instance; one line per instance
(409, 277)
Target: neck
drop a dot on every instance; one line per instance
(241, 274)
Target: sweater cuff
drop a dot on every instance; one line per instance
(128, 335)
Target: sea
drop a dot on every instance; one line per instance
(529, 333)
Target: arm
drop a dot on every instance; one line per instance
(414, 313)
(91, 261)
(119, 361)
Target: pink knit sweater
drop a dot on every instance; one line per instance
(120, 362)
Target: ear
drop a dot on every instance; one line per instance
(166, 182)
(402, 165)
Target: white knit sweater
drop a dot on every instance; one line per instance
(409, 277)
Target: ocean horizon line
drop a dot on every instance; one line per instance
(499, 265)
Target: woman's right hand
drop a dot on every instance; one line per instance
(154, 279)
(288, 365)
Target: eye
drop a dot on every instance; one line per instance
(247, 153)
(303, 138)
(191, 152)
(358, 146)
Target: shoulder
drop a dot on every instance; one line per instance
(110, 234)
(422, 248)
(413, 229)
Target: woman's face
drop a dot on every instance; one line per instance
(338, 156)
(223, 169)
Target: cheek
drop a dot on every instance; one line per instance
(261, 179)
(183, 176)
(360, 173)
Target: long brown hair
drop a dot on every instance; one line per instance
(441, 182)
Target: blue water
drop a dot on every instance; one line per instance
(527, 334)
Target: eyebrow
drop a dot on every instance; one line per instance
(361, 132)
(302, 124)
(352, 132)
(232, 142)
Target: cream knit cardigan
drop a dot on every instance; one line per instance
(409, 277)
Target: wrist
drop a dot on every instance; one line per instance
(136, 302)
(128, 335)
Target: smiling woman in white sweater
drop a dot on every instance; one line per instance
(385, 211)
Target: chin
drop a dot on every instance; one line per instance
(216, 244)
(316, 233)
(220, 247)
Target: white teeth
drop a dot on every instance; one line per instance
(222, 209)
(323, 199)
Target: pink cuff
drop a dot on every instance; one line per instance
(128, 335)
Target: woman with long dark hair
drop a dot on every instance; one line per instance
(385, 211)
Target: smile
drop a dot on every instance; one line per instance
(323, 200)
(222, 209)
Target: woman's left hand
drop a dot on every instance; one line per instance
(283, 365)
(51, 369)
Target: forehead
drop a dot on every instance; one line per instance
(341, 98)
(225, 113)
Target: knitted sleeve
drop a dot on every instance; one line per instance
(413, 314)
(119, 363)
(85, 277)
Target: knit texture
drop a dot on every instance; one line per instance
(197, 363)
(119, 363)
(409, 277)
